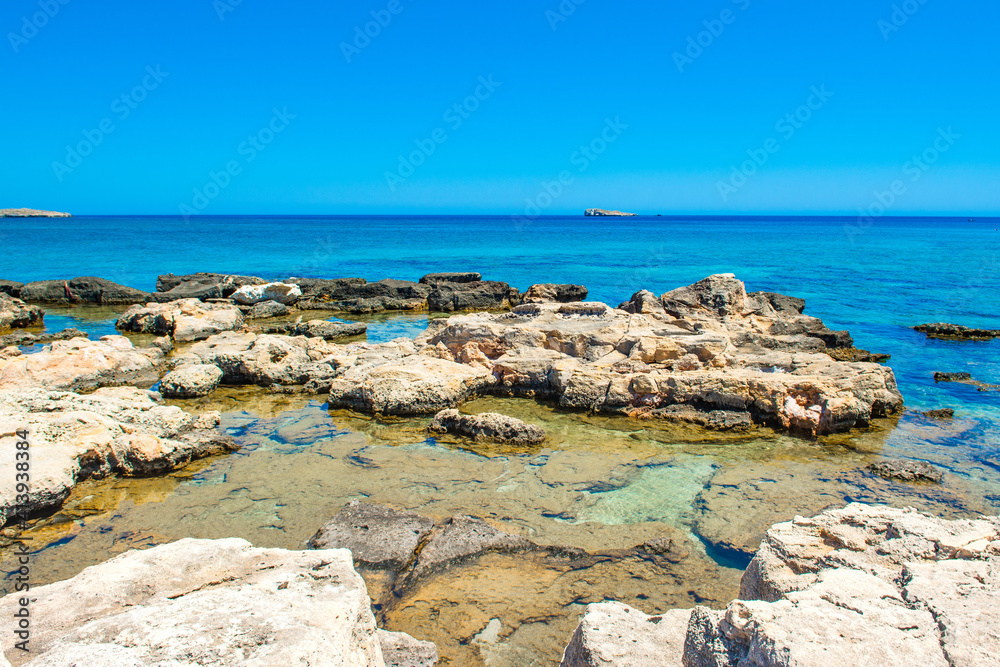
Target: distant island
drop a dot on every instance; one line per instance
(31, 213)
(604, 211)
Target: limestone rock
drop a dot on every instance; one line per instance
(218, 602)
(265, 360)
(15, 313)
(487, 426)
(329, 330)
(80, 364)
(265, 310)
(612, 634)
(379, 537)
(25, 338)
(120, 430)
(401, 650)
(283, 293)
(480, 295)
(435, 278)
(184, 320)
(191, 381)
(226, 283)
(549, 292)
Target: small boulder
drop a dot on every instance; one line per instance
(283, 293)
(548, 292)
(329, 330)
(941, 413)
(487, 426)
(401, 650)
(15, 313)
(191, 381)
(265, 310)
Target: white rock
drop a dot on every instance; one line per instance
(283, 293)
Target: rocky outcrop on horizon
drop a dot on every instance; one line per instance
(604, 211)
(31, 213)
(219, 602)
(858, 585)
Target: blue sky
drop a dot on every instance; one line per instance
(655, 107)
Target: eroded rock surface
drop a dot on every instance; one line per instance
(283, 293)
(15, 313)
(380, 537)
(223, 282)
(80, 364)
(612, 634)
(858, 585)
(87, 289)
(906, 471)
(947, 331)
(218, 602)
(487, 426)
(184, 320)
(191, 381)
(120, 430)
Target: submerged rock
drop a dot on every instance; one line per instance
(858, 585)
(942, 413)
(15, 313)
(120, 430)
(80, 364)
(191, 381)
(965, 378)
(218, 602)
(907, 471)
(487, 426)
(956, 332)
(184, 320)
(379, 537)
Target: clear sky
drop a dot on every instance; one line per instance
(706, 106)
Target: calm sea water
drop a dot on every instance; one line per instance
(875, 279)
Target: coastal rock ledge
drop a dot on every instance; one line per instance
(856, 586)
(211, 602)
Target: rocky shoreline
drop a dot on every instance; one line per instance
(707, 356)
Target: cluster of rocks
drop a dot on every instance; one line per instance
(947, 331)
(965, 378)
(859, 585)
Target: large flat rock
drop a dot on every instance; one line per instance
(80, 364)
(185, 319)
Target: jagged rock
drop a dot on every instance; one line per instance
(854, 354)
(643, 301)
(781, 302)
(956, 332)
(227, 283)
(11, 288)
(194, 289)
(191, 381)
(120, 430)
(283, 293)
(907, 471)
(401, 650)
(859, 585)
(265, 360)
(83, 290)
(414, 385)
(218, 602)
(80, 364)
(612, 634)
(265, 310)
(487, 426)
(435, 278)
(329, 330)
(549, 292)
(184, 320)
(481, 295)
(25, 338)
(15, 313)
(942, 413)
(379, 537)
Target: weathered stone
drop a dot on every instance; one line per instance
(942, 413)
(80, 364)
(329, 330)
(25, 338)
(460, 538)
(487, 426)
(15, 313)
(401, 650)
(435, 278)
(284, 293)
(265, 309)
(265, 360)
(956, 332)
(191, 381)
(780, 302)
(83, 290)
(481, 295)
(612, 634)
(193, 289)
(184, 320)
(379, 537)
(227, 283)
(907, 471)
(643, 301)
(966, 378)
(11, 288)
(548, 292)
(218, 602)
(119, 430)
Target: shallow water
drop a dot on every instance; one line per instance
(600, 483)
